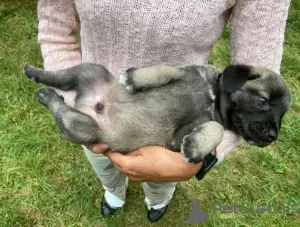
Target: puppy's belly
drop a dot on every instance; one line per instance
(128, 122)
(127, 130)
(98, 95)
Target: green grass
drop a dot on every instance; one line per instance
(46, 181)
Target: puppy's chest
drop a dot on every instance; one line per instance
(205, 105)
(202, 94)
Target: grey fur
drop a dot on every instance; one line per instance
(180, 108)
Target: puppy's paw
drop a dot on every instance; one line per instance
(33, 73)
(190, 149)
(126, 80)
(203, 139)
(46, 96)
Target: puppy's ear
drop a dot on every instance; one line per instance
(234, 76)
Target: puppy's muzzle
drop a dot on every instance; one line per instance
(262, 134)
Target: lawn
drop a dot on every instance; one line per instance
(46, 181)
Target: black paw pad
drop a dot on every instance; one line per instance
(190, 150)
(32, 73)
(48, 95)
(126, 80)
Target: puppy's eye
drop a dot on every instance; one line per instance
(263, 100)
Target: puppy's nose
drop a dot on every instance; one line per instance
(272, 134)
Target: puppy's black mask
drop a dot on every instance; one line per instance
(256, 100)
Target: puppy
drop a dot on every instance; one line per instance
(184, 109)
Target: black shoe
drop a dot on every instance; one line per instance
(106, 210)
(156, 214)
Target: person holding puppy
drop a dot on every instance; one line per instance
(124, 34)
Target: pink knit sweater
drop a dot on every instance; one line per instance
(130, 33)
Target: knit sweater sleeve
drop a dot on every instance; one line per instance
(57, 33)
(257, 32)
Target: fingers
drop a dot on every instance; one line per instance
(116, 158)
(121, 162)
(97, 147)
(128, 164)
(214, 152)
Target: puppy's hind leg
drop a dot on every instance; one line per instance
(68, 79)
(74, 125)
(62, 79)
(135, 79)
(201, 141)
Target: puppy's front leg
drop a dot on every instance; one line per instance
(75, 126)
(201, 141)
(135, 79)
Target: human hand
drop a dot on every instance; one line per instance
(153, 163)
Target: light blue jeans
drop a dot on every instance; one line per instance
(157, 194)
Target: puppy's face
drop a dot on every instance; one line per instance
(259, 98)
